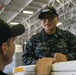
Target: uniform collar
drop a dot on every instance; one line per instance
(57, 33)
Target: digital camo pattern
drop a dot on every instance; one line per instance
(41, 45)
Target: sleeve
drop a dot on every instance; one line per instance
(71, 55)
(28, 57)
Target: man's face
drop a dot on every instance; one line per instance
(10, 46)
(49, 21)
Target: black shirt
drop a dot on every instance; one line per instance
(2, 73)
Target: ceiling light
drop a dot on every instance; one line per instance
(58, 24)
(28, 12)
(13, 23)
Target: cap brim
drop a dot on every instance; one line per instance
(17, 30)
(42, 14)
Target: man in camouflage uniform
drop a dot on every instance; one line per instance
(50, 41)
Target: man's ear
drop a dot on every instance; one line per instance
(4, 48)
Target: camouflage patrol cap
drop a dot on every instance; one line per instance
(48, 10)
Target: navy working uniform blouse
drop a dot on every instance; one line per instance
(41, 45)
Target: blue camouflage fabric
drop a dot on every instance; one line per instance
(41, 45)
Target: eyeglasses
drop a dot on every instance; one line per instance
(49, 18)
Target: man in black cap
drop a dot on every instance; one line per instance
(7, 46)
(50, 41)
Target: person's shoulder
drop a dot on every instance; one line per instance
(66, 33)
(36, 35)
(2, 73)
(61, 30)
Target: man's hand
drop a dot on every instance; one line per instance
(43, 66)
(60, 57)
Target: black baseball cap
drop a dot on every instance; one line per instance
(7, 31)
(48, 10)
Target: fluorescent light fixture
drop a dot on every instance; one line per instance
(28, 12)
(13, 23)
(58, 24)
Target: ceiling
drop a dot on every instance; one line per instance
(11, 11)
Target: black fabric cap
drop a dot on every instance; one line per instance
(7, 31)
(17, 30)
(48, 10)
